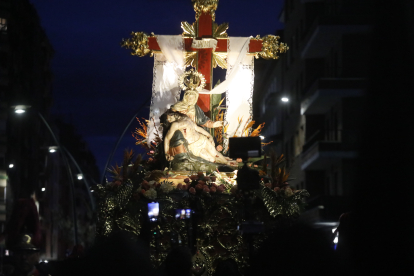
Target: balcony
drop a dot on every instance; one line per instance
(320, 155)
(326, 31)
(325, 92)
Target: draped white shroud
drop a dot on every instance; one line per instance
(168, 67)
(238, 86)
(240, 78)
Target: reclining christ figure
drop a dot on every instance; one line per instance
(200, 142)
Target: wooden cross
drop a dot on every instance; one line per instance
(197, 37)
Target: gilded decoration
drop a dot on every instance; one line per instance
(220, 59)
(188, 30)
(271, 47)
(205, 6)
(219, 31)
(138, 44)
(218, 208)
(192, 80)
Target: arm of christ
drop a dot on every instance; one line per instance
(168, 137)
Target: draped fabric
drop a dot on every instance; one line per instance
(240, 74)
(238, 86)
(168, 67)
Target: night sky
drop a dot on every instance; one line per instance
(98, 86)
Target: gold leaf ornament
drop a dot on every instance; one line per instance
(190, 58)
(220, 30)
(271, 47)
(205, 6)
(138, 44)
(220, 60)
(188, 29)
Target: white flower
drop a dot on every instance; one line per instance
(288, 192)
(151, 194)
(166, 187)
(217, 175)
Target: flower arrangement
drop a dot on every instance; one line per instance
(214, 196)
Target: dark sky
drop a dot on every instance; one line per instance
(98, 86)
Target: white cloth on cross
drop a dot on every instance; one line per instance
(168, 67)
(240, 80)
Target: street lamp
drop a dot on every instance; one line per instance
(11, 166)
(285, 99)
(119, 140)
(21, 108)
(79, 176)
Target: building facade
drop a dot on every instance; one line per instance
(324, 76)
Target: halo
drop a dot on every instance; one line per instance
(192, 80)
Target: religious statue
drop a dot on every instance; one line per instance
(193, 81)
(199, 142)
(187, 144)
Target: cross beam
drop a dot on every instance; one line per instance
(205, 58)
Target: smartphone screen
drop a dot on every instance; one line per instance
(182, 213)
(153, 210)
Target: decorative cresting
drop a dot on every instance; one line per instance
(205, 6)
(192, 80)
(138, 44)
(271, 47)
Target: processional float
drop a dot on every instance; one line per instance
(203, 209)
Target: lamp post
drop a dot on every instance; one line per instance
(20, 109)
(119, 140)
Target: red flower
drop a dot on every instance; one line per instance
(185, 187)
(268, 185)
(220, 189)
(142, 191)
(276, 189)
(192, 190)
(233, 190)
(187, 180)
(179, 186)
(199, 186)
(206, 178)
(219, 148)
(213, 178)
(145, 185)
(200, 174)
(239, 160)
(213, 189)
(206, 189)
(202, 182)
(193, 177)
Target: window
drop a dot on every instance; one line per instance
(3, 24)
